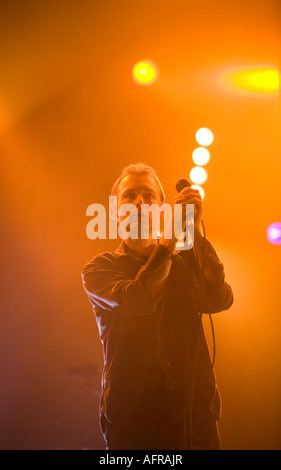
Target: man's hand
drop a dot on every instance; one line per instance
(186, 196)
(191, 196)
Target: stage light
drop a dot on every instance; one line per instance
(204, 136)
(201, 156)
(145, 73)
(274, 233)
(198, 175)
(258, 80)
(200, 189)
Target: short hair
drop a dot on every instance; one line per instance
(140, 169)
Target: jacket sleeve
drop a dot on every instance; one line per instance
(108, 287)
(214, 294)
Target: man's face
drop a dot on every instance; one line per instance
(139, 190)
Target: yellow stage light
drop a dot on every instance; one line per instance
(200, 189)
(201, 156)
(145, 73)
(259, 80)
(204, 136)
(198, 175)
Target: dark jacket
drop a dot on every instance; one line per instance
(156, 358)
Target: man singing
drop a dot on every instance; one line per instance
(159, 390)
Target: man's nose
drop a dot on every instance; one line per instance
(139, 200)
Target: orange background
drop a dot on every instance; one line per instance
(70, 118)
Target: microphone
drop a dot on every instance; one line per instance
(182, 183)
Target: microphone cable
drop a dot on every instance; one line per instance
(182, 183)
(188, 427)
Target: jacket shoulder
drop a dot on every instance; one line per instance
(104, 259)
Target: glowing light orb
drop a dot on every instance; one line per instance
(274, 233)
(200, 189)
(145, 73)
(204, 136)
(258, 80)
(198, 175)
(201, 156)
